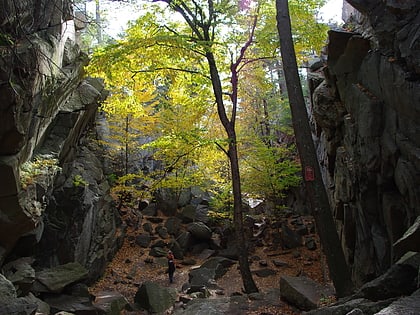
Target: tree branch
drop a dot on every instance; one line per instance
(221, 148)
(135, 72)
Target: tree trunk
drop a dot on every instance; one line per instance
(249, 284)
(127, 124)
(229, 126)
(98, 22)
(321, 210)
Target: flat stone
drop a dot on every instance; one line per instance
(55, 279)
(302, 292)
(404, 306)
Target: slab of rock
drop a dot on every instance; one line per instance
(147, 227)
(202, 213)
(162, 231)
(173, 225)
(176, 249)
(397, 281)
(11, 305)
(202, 277)
(290, 238)
(7, 289)
(302, 292)
(187, 214)
(218, 306)
(72, 304)
(20, 273)
(112, 303)
(220, 265)
(355, 306)
(154, 298)
(150, 210)
(265, 272)
(57, 278)
(280, 263)
(209, 271)
(410, 241)
(143, 240)
(200, 231)
(18, 307)
(409, 305)
(158, 252)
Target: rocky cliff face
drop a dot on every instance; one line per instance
(366, 111)
(45, 109)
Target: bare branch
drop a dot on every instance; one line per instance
(249, 61)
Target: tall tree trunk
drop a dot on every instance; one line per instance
(98, 22)
(242, 243)
(229, 126)
(321, 210)
(127, 124)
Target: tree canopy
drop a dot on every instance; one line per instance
(159, 68)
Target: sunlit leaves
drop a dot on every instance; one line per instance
(268, 171)
(160, 90)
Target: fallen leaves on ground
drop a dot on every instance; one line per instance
(129, 268)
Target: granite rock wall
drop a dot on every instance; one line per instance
(46, 110)
(366, 114)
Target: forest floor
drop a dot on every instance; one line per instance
(132, 266)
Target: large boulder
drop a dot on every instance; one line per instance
(202, 277)
(7, 289)
(200, 231)
(167, 201)
(388, 294)
(18, 307)
(410, 241)
(154, 298)
(173, 225)
(26, 305)
(290, 238)
(188, 213)
(72, 304)
(57, 278)
(21, 274)
(303, 292)
(111, 303)
(185, 241)
(399, 280)
(357, 306)
(220, 265)
(143, 240)
(218, 306)
(210, 271)
(405, 306)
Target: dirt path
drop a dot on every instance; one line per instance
(132, 266)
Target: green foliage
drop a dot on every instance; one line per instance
(161, 91)
(131, 188)
(309, 36)
(6, 39)
(78, 181)
(220, 217)
(40, 167)
(222, 200)
(112, 179)
(268, 171)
